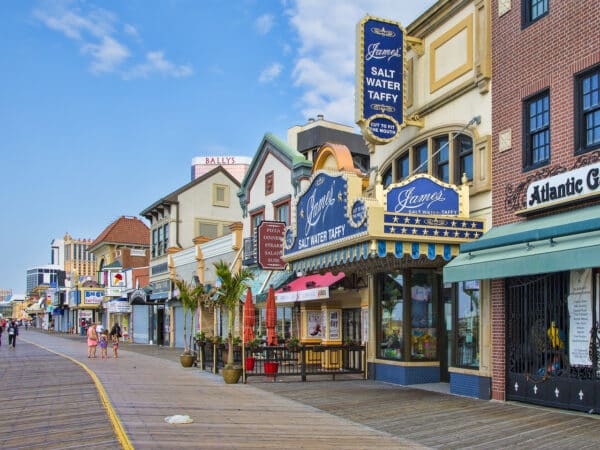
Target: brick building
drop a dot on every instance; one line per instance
(542, 252)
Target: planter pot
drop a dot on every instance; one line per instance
(271, 368)
(250, 363)
(187, 360)
(231, 375)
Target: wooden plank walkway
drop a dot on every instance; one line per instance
(144, 389)
(445, 421)
(48, 402)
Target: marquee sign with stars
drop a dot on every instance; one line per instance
(435, 228)
(322, 215)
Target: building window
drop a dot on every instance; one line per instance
(537, 131)
(587, 103)
(421, 155)
(442, 158)
(407, 316)
(220, 194)
(402, 167)
(282, 212)
(154, 242)
(159, 247)
(534, 10)
(166, 238)
(255, 220)
(464, 152)
(269, 183)
(387, 178)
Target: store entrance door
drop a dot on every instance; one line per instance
(446, 331)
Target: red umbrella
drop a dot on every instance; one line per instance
(249, 318)
(271, 317)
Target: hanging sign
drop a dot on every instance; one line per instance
(380, 75)
(270, 245)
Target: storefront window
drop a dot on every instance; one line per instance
(468, 313)
(423, 317)
(391, 317)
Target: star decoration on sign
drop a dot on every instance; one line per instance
(395, 219)
(302, 213)
(417, 221)
(340, 196)
(404, 230)
(392, 229)
(446, 233)
(425, 231)
(407, 220)
(414, 231)
(436, 232)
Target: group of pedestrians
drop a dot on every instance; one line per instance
(12, 329)
(97, 335)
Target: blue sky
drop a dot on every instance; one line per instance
(103, 104)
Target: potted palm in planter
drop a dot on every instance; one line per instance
(233, 284)
(190, 298)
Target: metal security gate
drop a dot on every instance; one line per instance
(537, 340)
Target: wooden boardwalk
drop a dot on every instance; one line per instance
(48, 402)
(445, 421)
(148, 384)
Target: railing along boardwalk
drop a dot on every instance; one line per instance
(277, 361)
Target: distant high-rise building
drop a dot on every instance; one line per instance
(49, 275)
(77, 257)
(235, 165)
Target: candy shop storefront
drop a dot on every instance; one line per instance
(390, 247)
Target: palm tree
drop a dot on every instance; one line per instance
(229, 294)
(190, 297)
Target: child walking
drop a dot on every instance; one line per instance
(104, 345)
(115, 345)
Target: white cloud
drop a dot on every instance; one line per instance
(264, 23)
(157, 64)
(107, 55)
(270, 73)
(95, 31)
(324, 62)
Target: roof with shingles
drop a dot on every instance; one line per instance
(124, 230)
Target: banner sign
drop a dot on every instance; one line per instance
(270, 245)
(565, 187)
(423, 195)
(93, 297)
(321, 215)
(580, 317)
(380, 74)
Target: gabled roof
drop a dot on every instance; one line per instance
(124, 230)
(172, 197)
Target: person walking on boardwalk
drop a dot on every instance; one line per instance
(13, 332)
(115, 345)
(103, 340)
(92, 341)
(1, 330)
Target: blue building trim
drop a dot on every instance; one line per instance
(471, 385)
(404, 375)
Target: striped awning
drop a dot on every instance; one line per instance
(383, 248)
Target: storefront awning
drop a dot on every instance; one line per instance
(565, 241)
(310, 287)
(381, 249)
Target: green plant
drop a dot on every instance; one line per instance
(233, 285)
(190, 297)
(255, 344)
(201, 337)
(292, 343)
(237, 340)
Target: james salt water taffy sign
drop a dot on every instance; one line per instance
(322, 217)
(380, 70)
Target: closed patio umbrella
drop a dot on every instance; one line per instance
(271, 317)
(249, 318)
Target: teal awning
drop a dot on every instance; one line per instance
(565, 241)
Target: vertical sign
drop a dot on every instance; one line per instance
(270, 245)
(580, 317)
(380, 78)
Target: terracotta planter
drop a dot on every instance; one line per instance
(271, 368)
(250, 363)
(231, 375)
(186, 360)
